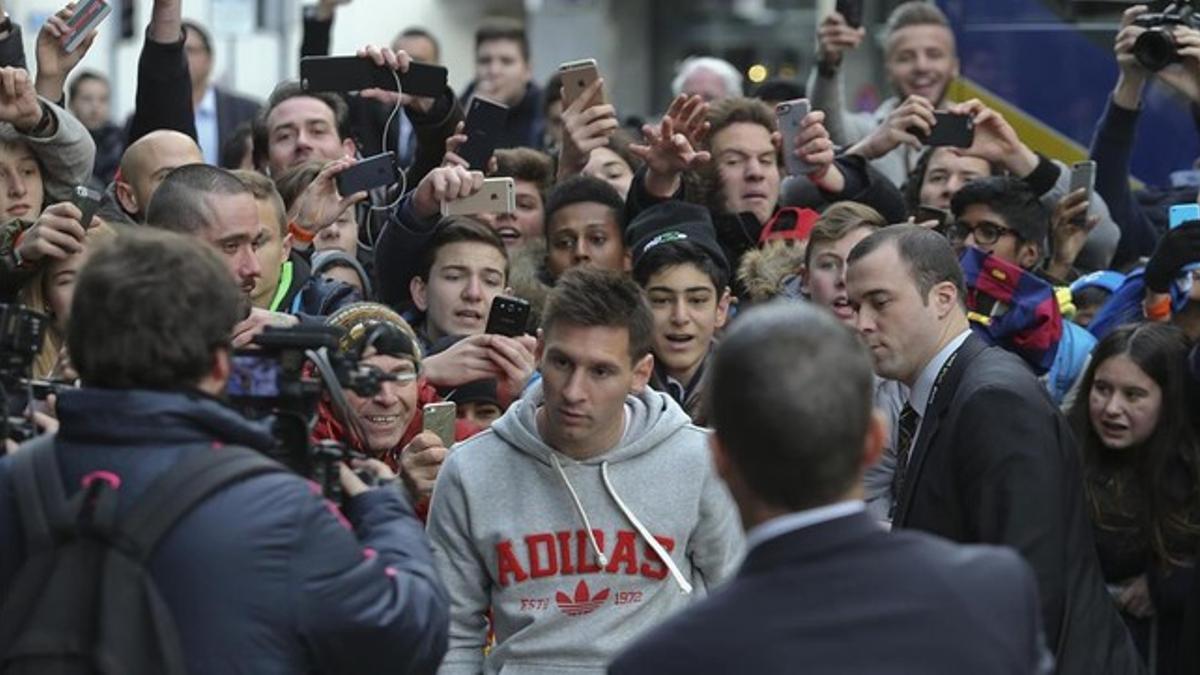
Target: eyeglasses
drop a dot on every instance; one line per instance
(985, 233)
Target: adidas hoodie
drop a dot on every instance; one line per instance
(576, 559)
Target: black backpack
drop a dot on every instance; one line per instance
(84, 602)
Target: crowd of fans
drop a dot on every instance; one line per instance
(957, 343)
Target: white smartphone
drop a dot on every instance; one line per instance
(499, 195)
(1083, 175)
(578, 76)
(790, 115)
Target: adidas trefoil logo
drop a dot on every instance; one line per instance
(582, 603)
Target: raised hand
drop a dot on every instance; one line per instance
(835, 37)
(320, 205)
(996, 140)
(444, 184)
(670, 148)
(916, 112)
(19, 105)
(1067, 235)
(585, 128)
(54, 64)
(399, 61)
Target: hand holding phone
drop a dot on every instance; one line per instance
(791, 116)
(950, 129)
(484, 124)
(1083, 176)
(352, 73)
(508, 317)
(87, 201)
(932, 214)
(320, 204)
(577, 76)
(851, 11)
(498, 195)
(88, 14)
(367, 174)
(439, 418)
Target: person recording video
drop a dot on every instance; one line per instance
(261, 574)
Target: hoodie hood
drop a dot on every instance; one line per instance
(650, 418)
(576, 558)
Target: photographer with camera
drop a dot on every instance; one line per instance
(1148, 45)
(259, 574)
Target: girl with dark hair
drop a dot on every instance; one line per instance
(1142, 469)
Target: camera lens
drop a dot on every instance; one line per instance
(1155, 49)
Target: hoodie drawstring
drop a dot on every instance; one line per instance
(587, 524)
(684, 586)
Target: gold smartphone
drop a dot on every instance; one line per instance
(578, 76)
(498, 195)
(439, 418)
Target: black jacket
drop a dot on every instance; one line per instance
(846, 597)
(995, 463)
(264, 576)
(232, 110)
(164, 91)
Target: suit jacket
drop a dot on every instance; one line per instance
(995, 463)
(844, 596)
(232, 110)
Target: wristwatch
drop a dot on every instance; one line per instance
(44, 122)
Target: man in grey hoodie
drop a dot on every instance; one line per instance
(590, 511)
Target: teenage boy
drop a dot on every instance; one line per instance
(464, 267)
(584, 222)
(679, 264)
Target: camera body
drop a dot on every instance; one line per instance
(22, 332)
(278, 379)
(1155, 49)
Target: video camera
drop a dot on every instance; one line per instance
(1155, 49)
(285, 377)
(22, 331)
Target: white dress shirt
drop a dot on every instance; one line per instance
(781, 525)
(207, 132)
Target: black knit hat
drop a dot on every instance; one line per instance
(674, 221)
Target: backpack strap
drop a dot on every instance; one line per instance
(182, 488)
(39, 488)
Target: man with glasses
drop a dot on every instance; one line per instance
(1001, 215)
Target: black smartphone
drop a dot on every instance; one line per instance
(87, 201)
(485, 122)
(851, 11)
(367, 174)
(926, 213)
(508, 316)
(350, 73)
(952, 130)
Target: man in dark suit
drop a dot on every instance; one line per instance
(824, 587)
(218, 112)
(983, 456)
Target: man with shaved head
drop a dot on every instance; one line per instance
(147, 162)
(215, 205)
